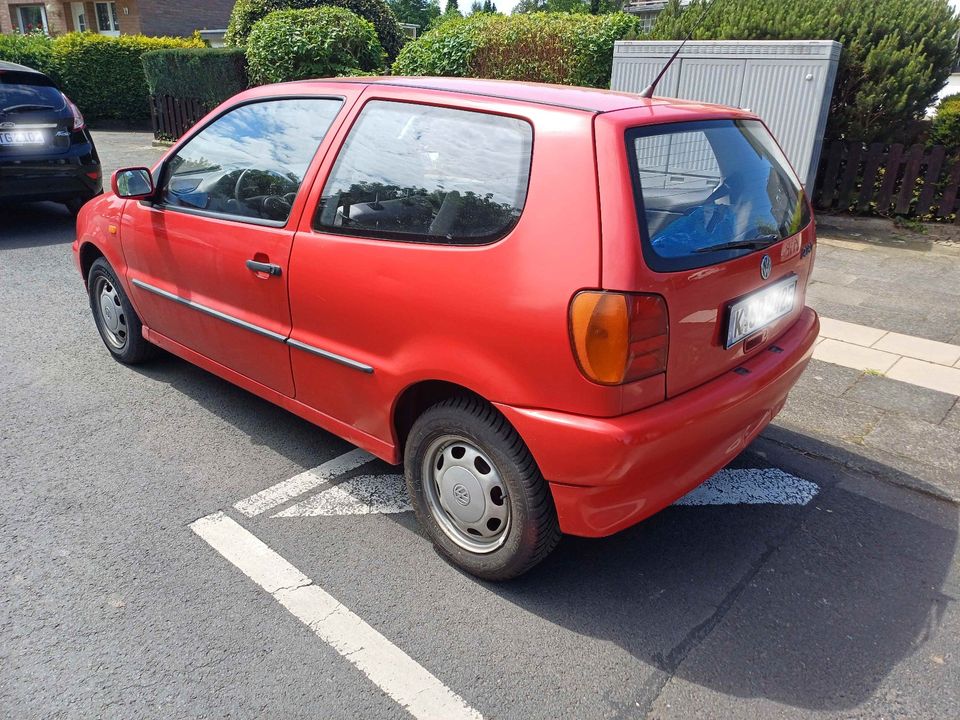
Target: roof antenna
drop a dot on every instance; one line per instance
(649, 90)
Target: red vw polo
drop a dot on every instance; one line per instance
(561, 309)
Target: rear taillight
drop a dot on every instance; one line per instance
(619, 337)
(78, 122)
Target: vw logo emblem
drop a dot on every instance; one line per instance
(766, 265)
(461, 494)
(7, 125)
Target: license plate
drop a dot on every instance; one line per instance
(21, 137)
(759, 309)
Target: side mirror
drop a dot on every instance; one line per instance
(132, 183)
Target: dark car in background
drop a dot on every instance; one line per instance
(46, 152)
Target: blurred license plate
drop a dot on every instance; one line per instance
(21, 137)
(759, 309)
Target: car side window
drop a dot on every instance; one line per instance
(250, 162)
(422, 173)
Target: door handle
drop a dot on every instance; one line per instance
(262, 267)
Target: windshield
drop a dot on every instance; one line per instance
(711, 191)
(28, 92)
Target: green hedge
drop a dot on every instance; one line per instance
(564, 48)
(896, 55)
(102, 75)
(247, 12)
(945, 129)
(315, 42)
(211, 75)
(34, 50)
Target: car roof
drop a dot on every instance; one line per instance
(575, 98)
(10, 66)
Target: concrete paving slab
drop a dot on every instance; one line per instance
(924, 374)
(919, 348)
(830, 416)
(854, 356)
(850, 332)
(931, 444)
(901, 398)
(828, 378)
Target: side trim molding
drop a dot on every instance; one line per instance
(362, 367)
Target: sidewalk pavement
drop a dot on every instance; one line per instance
(885, 377)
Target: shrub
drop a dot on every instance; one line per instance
(896, 55)
(945, 129)
(104, 75)
(208, 74)
(247, 12)
(34, 50)
(316, 42)
(571, 49)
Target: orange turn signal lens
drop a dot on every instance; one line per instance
(619, 337)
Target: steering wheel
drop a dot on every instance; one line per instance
(237, 194)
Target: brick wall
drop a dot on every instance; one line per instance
(182, 17)
(56, 15)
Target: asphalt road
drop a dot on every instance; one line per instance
(112, 607)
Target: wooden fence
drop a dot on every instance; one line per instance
(173, 116)
(915, 181)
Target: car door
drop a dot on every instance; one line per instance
(207, 258)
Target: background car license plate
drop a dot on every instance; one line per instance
(759, 309)
(21, 137)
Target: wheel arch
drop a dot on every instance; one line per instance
(417, 397)
(88, 254)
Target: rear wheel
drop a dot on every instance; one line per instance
(477, 490)
(116, 320)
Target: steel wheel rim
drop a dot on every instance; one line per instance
(112, 319)
(465, 494)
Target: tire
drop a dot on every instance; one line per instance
(117, 322)
(461, 456)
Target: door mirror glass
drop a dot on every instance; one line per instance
(132, 183)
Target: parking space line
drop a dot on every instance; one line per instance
(304, 482)
(386, 665)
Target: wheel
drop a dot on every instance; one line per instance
(477, 490)
(119, 326)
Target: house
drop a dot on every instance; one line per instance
(149, 17)
(647, 10)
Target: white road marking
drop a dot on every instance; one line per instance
(304, 482)
(386, 665)
(362, 495)
(767, 486)
(374, 494)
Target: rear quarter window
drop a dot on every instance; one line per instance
(711, 191)
(420, 173)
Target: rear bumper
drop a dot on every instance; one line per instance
(609, 473)
(75, 174)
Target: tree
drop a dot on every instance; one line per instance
(896, 55)
(476, 7)
(570, 6)
(453, 8)
(417, 12)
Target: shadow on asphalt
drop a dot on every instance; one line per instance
(818, 604)
(35, 225)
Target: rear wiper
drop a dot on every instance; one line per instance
(761, 241)
(26, 107)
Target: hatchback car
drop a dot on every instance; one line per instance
(46, 152)
(561, 309)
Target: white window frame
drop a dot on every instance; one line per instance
(43, 16)
(112, 17)
(79, 12)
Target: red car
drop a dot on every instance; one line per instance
(561, 309)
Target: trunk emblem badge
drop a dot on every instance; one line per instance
(766, 265)
(7, 125)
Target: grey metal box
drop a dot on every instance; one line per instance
(788, 83)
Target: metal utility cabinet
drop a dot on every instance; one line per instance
(787, 83)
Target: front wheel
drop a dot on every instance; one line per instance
(118, 323)
(477, 490)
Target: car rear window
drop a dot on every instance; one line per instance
(28, 92)
(711, 191)
(421, 173)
